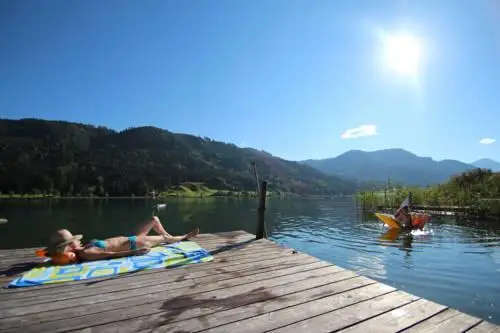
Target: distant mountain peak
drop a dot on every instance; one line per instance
(487, 163)
(489, 160)
(381, 151)
(400, 165)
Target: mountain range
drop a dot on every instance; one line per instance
(40, 156)
(397, 165)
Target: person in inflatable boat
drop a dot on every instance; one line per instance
(66, 248)
(403, 216)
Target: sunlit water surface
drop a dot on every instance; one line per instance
(452, 263)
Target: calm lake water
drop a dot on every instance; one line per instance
(450, 263)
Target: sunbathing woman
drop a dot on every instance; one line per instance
(140, 243)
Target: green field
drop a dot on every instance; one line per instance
(199, 190)
(184, 190)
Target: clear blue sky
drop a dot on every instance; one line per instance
(285, 76)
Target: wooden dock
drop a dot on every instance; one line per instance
(433, 210)
(251, 286)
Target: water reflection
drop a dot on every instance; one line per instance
(456, 263)
(369, 265)
(403, 239)
(451, 261)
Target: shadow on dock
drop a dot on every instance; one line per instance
(232, 246)
(174, 307)
(20, 268)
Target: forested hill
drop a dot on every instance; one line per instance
(38, 156)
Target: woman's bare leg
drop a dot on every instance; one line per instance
(152, 241)
(154, 224)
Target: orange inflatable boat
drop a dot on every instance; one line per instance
(418, 220)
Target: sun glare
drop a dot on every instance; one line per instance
(402, 54)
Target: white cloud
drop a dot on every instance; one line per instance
(487, 141)
(363, 130)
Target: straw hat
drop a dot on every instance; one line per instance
(60, 239)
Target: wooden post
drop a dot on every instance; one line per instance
(256, 175)
(261, 228)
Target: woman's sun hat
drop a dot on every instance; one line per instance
(60, 239)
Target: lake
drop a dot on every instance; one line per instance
(452, 263)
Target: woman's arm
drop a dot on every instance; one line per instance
(90, 254)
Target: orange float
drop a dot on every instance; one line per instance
(64, 258)
(418, 220)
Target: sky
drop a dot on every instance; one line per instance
(299, 79)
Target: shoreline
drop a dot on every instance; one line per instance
(286, 196)
(126, 197)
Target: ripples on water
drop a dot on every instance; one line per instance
(450, 263)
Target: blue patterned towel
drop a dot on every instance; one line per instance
(172, 255)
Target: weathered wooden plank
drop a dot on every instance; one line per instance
(4, 280)
(231, 257)
(153, 317)
(459, 323)
(211, 246)
(9, 253)
(250, 286)
(400, 318)
(7, 261)
(225, 234)
(290, 315)
(201, 318)
(15, 268)
(164, 275)
(236, 305)
(74, 308)
(484, 327)
(434, 320)
(336, 320)
(214, 265)
(218, 248)
(151, 288)
(221, 240)
(100, 312)
(225, 241)
(449, 321)
(217, 274)
(228, 258)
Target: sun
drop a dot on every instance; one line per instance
(403, 54)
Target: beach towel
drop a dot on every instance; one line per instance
(164, 256)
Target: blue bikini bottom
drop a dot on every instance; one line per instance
(102, 243)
